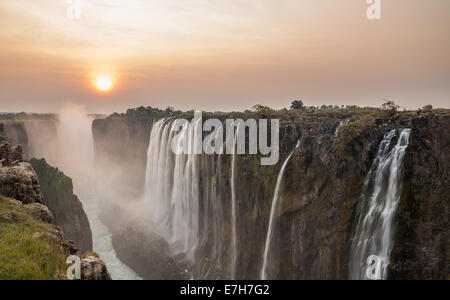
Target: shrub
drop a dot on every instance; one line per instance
(262, 109)
(297, 105)
(390, 106)
(349, 141)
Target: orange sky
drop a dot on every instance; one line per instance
(223, 54)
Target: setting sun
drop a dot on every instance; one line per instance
(103, 83)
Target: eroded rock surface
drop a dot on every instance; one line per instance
(20, 182)
(93, 268)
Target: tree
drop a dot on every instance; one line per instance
(262, 109)
(390, 106)
(428, 107)
(297, 105)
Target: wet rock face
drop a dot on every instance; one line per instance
(2, 133)
(93, 268)
(139, 247)
(315, 223)
(67, 209)
(20, 182)
(421, 248)
(148, 254)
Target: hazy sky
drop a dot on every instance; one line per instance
(223, 54)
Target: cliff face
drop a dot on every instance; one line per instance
(57, 190)
(315, 222)
(2, 133)
(120, 147)
(421, 250)
(37, 137)
(32, 248)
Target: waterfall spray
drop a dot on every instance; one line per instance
(72, 151)
(76, 158)
(378, 207)
(276, 198)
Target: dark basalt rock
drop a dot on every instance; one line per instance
(315, 223)
(67, 209)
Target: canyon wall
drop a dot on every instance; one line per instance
(57, 190)
(421, 249)
(120, 147)
(39, 138)
(316, 219)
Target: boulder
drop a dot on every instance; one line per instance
(93, 268)
(20, 182)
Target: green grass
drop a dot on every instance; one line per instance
(24, 256)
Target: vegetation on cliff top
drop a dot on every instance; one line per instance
(26, 116)
(24, 253)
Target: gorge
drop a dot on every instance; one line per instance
(376, 186)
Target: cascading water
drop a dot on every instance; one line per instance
(336, 133)
(378, 207)
(276, 198)
(338, 128)
(173, 186)
(182, 187)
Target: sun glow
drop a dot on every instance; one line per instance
(103, 83)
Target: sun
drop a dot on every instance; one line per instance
(103, 83)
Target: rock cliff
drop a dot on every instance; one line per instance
(20, 182)
(30, 246)
(315, 222)
(121, 149)
(57, 190)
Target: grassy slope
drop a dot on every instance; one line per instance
(23, 256)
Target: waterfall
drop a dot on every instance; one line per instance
(378, 207)
(276, 198)
(174, 192)
(336, 133)
(338, 128)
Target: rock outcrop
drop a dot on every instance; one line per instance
(20, 182)
(93, 268)
(138, 246)
(26, 233)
